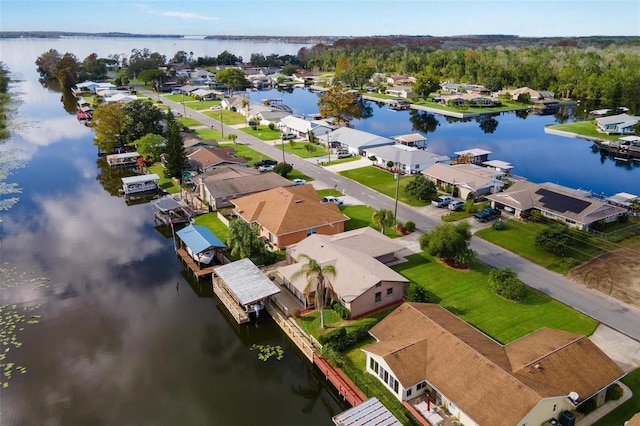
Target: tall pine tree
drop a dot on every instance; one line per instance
(176, 157)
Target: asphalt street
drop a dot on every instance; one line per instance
(609, 311)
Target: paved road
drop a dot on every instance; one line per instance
(615, 314)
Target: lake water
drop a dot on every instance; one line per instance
(125, 338)
(510, 137)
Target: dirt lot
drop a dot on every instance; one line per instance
(615, 273)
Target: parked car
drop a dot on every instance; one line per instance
(298, 182)
(287, 136)
(442, 201)
(343, 153)
(456, 205)
(214, 107)
(252, 123)
(266, 168)
(267, 162)
(331, 199)
(487, 214)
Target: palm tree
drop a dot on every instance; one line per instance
(233, 137)
(241, 238)
(316, 274)
(383, 218)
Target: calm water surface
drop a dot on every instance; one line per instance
(125, 338)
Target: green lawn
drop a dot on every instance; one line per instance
(203, 105)
(228, 117)
(179, 98)
(300, 149)
(333, 192)
(519, 237)
(450, 216)
(584, 128)
(210, 134)
(263, 133)
(189, 122)
(165, 183)
(384, 182)
(342, 160)
(628, 408)
(250, 154)
(310, 322)
(360, 217)
(466, 294)
(215, 225)
(295, 174)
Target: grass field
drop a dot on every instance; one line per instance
(244, 151)
(215, 225)
(342, 160)
(228, 117)
(189, 122)
(519, 237)
(299, 149)
(263, 133)
(166, 184)
(584, 128)
(360, 217)
(467, 295)
(384, 182)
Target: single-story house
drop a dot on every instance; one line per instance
(621, 123)
(623, 199)
(499, 165)
(400, 79)
(423, 349)
(362, 283)
(570, 206)
(534, 95)
(288, 215)
(407, 159)
(224, 183)
(305, 77)
(401, 91)
(464, 98)
(469, 179)
(119, 98)
(91, 87)
(302, 127)
(355, 141)
(450, 87)
(206, 94)
(411, 139)
(204, 158)
(274, 116)
(191, 141)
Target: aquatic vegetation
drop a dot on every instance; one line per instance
(268, 351)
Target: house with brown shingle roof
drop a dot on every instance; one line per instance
(422, 348)
(227, 182)
(570, 206)
(288, 215)
(469, 179)
(205, 158)
(363, 282)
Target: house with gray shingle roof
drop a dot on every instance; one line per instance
(570, 206)
(469, 179)
(422, 349)
(621, 123)
(355, 141)
(408, 159)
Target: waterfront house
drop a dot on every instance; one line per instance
(401, 80)
(473, 156)
(469, 180)
(570, 206)
(401, 91)
(459, 99)
(423, 350)
(302, 127)
(363, 282)
(220, 186)
(118, 98)
(357, 142)
(204, 158)
(618, 124)
(91, 87)
(206, 94)
(287, 215)
(406, 159)
(534, 95)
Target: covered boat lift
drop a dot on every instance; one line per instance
(243, 288)
(141, 183)
(123, 160)
(202, 249)
(169, 211)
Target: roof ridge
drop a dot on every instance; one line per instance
(571, 342)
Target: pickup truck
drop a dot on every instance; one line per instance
(487, 214)
(267, 162)
(442, 201)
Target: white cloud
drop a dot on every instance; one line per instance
(184, 15)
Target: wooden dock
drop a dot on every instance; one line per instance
(198, 272)
(236, 311)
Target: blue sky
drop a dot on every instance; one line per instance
(534, 18)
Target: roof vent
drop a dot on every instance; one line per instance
(299, 201)
(538, 367)
(573, 396)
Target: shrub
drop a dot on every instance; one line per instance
(587, 406)
(272, 126)
(295, 313)
(339, 340)
(614, 392)
(410, 226)
(283, 169)
(553, 239)
(498, 225)
(341, 310)
(417, 293)
(505, 282)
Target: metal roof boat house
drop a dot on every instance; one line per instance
(169, 211)
(200, 249)
(141, 183)
(125, 159)
(243, 288)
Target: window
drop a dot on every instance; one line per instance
(270, 237)
(386, 376)
(555, 406)
(395, 385)
(378, 297)
(379, 285)
(389, 291)
(373, 364)
(311, 231)
(409, 392)
(421, 385)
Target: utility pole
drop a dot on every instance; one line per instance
(221, 125)
(397, 176)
